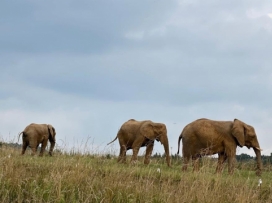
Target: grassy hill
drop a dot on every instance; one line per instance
(91, 178)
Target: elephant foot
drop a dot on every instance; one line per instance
(219, 170)
(184, 168)
(133, 162)
(231, 172)
(146, 161)
(259, 173)
(121, 161)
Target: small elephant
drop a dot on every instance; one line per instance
(207, 137)
(135, 134)
(34, 134)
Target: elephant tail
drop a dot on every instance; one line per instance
(113, 140)
(180, 137)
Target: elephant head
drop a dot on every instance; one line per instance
(158, 132)
(246, 136)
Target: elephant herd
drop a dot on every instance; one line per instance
(199, 138)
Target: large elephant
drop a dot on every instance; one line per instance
(135, 134)
(34, 134)
(207, 137)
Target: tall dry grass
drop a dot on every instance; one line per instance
(90, 178)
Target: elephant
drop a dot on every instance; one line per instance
(135, 134)
(207, 137)
(34, 134)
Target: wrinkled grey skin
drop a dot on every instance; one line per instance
(135, 134)
(35, 134)
(207, 137)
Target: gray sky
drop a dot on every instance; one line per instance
(86, 67)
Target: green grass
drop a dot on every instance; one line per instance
(92, 178)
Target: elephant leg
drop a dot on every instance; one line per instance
(230, 153)
(44, 143)
(34, 150)
(135, 154)
(24, 147)
(52, 145)
(195, 160)
(149, 149)
(34, 146)
(186, 160)
(122, 155)
(231, 160)
(221, 159)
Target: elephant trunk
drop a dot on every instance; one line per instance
(257, 151)
(165, 144)
(180, 137)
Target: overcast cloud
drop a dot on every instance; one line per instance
(86, 67)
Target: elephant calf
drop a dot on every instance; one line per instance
(34, 134)
(135, 134)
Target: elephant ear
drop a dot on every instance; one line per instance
(153, 131)
(148, 131)
(52, 132)
(238, 131)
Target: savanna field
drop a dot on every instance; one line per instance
(73, 177)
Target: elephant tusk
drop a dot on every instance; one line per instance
(259, 149)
